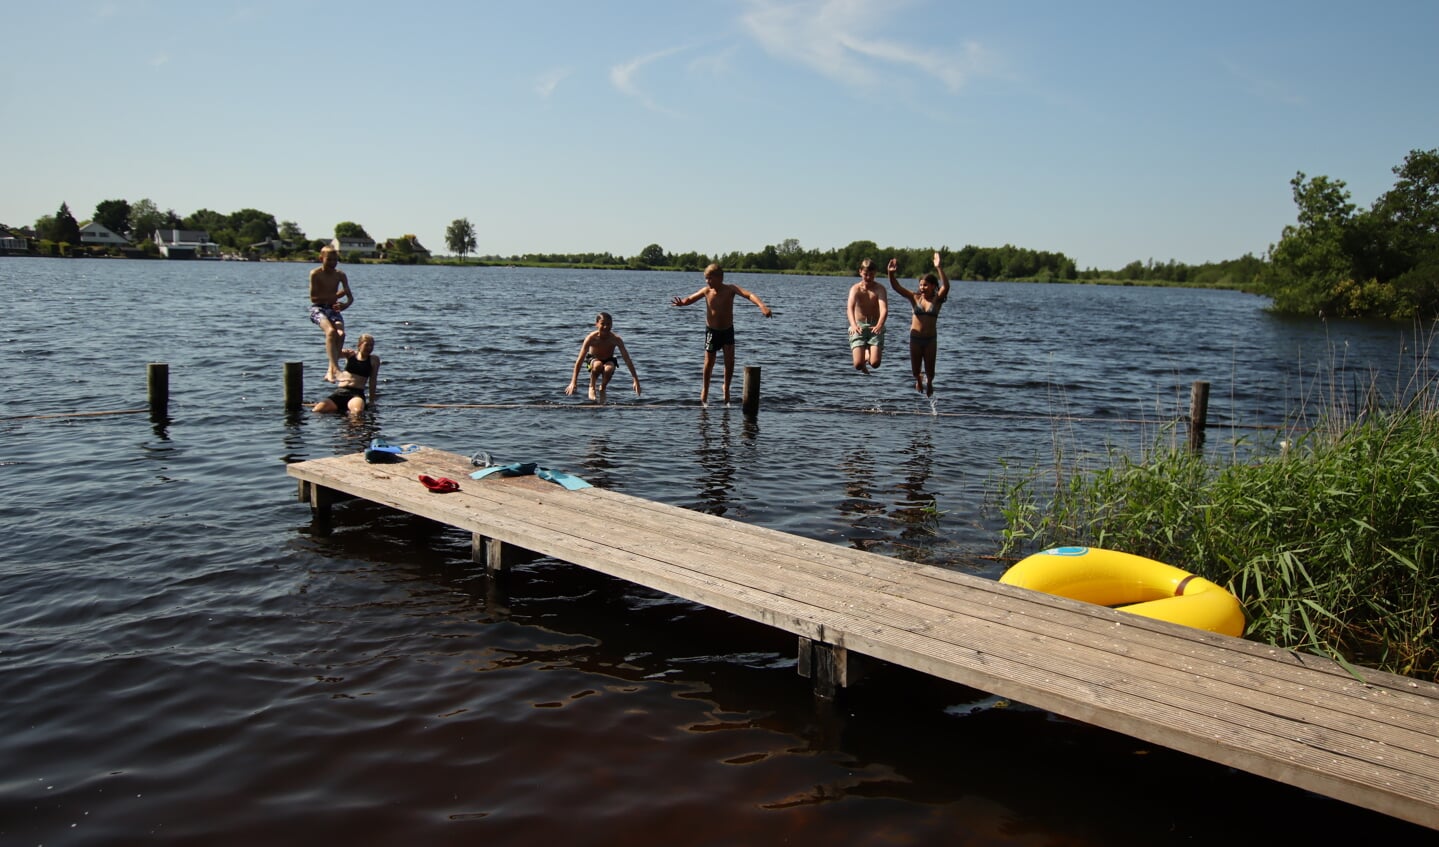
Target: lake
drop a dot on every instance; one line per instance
(188, 658)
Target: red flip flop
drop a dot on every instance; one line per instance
(439, 486)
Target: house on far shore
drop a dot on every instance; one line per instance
(12, 243)
(409, 245)
(268, 246)
(186, 244)
(93, 233)
(359, 246)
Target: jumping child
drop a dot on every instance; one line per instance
(867, 309)
(330, 295)
(923, 327)
(719, 323)
(599, 348)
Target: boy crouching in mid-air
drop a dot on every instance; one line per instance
(597, 353)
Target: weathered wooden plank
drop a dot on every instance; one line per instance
(1299, 719)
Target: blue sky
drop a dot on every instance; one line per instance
(1109, 130)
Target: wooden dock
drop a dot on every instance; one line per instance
(1295, 718)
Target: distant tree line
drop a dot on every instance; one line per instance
(1005, 263)
(1335, 260)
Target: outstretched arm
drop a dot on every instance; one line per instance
(894, 281)
(754, 298)
(634, 377)
(685, 301)
(579, 360)
(943, 280)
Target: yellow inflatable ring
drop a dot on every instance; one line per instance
(1131, 584)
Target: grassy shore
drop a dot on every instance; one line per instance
(1330, 539)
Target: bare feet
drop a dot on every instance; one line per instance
(331, 376)
(918, 384)
(600, 395)
(592, 390)
(929, 389)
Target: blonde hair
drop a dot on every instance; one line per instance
(715, 269)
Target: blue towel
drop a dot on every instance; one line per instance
(569, 481)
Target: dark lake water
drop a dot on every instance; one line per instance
(186, 658)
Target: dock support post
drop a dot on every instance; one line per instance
(494, 554)
(497, 583)
(157, 386)
(1198, 415)
(826, 664)
(320, 500)
(294, 384)
(749, 393)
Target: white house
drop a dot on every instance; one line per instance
(186, 244)
(359, 246)
(12, 243)
(93, 233)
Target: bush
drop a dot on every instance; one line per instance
(1332, 544)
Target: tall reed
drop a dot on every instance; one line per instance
(1330, 540)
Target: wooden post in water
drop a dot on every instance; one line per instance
(157, 386)
(294, 384)
(1198, 414)
(749, 394)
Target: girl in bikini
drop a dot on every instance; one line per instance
(923, 327)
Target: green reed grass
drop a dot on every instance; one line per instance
(1331, 541)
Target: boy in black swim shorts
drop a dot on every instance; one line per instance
(719, 323)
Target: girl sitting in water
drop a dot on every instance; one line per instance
(924, 326)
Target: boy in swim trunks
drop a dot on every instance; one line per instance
(719, 323)
(599, 348)
(330, 295)
(924, 326)
(361, 375)
(867, 309)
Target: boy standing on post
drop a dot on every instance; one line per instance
(329, 296)
(867, 309)
(719, 323)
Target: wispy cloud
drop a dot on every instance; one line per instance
(832, 37)
(624, 77)
(548, 81)
(159, 60)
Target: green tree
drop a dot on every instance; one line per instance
(460, 237)
(291, 232)
(652, 255)
(252, 225)
(66, 229)
(1411, 207)
(114, 215)
(45, 227)
(350, 229)
(145, 218)
(1311, 254)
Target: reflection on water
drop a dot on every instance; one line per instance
(367, 682)
(918, 509)
(717, 469)
(596, 461)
